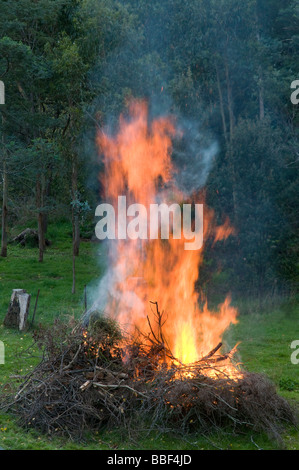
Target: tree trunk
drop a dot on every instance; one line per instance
(75, 216)
(230, 103)
(232, 123)
(4, 213)
(222, 111)
(76, 235)
(4, 201)
(260, 74)
(40, 220)
(74, 272)
(261, 96)
(47, 194)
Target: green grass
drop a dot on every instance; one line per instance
(53, 277)
(265, 337)
(265, 345)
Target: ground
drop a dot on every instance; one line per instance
(265, 334)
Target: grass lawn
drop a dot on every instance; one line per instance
(265, 338)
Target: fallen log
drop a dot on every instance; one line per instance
(28, 236)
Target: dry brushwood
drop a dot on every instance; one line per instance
(94, 377)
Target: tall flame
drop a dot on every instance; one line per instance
(138, 165)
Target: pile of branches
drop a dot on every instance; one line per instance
(94, 377)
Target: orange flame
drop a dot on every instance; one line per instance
(138, 164)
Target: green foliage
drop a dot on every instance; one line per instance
(70, 67)
(288, 384)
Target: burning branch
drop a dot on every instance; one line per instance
(160, 345)
(211, 353)
(159, 340)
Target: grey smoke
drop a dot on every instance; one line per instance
(135, 69)
(193, 156)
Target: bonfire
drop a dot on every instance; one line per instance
(149, 354)
(95, 378)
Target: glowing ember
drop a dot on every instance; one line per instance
(138, 165)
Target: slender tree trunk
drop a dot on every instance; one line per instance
(45, 223)
(260, 74)
(4, 199)
(76, 243)
(75, 216)
(4, 212)
(232, 123)
(230, 103)
(76, 235)
(40, 219)
(222, 111)
(261, 96)
(74, 272)
(47, 194)
(75, 219)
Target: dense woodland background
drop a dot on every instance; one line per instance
(224, 66)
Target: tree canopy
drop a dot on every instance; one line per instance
(70, 66)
